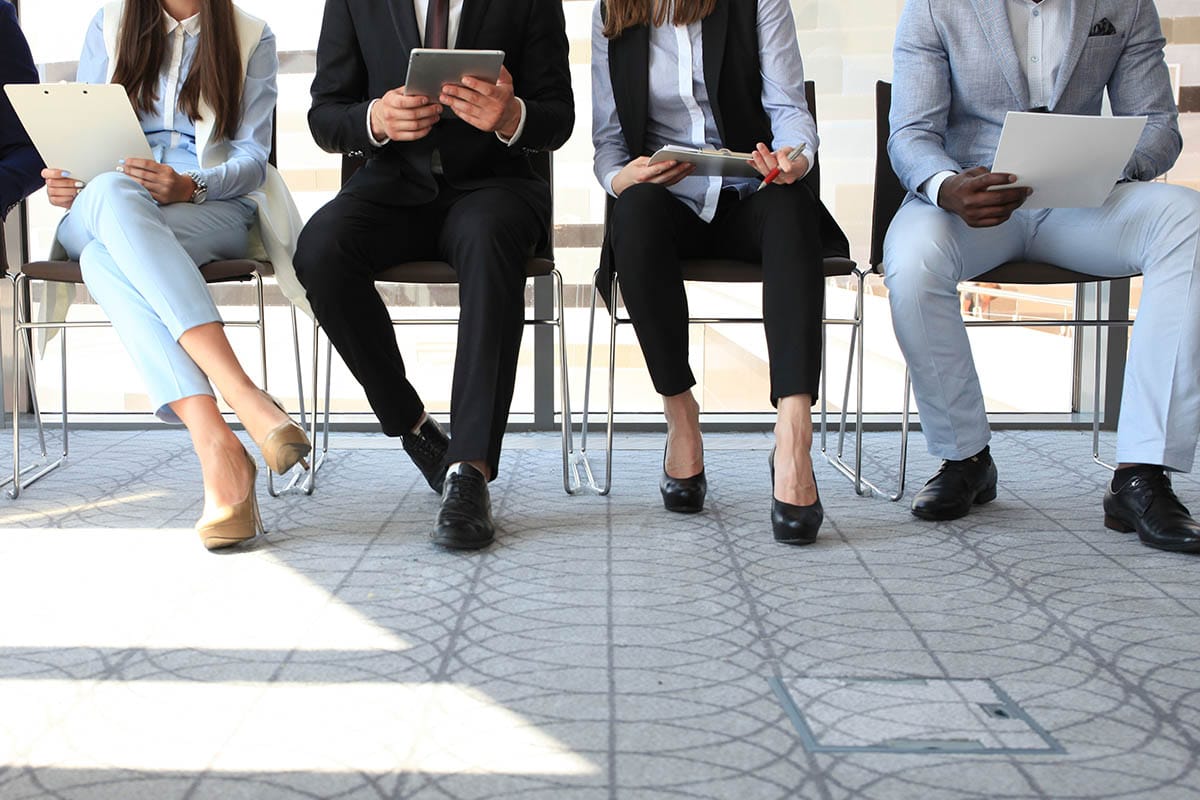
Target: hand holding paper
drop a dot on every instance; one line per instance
(1069, 161)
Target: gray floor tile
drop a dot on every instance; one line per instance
(603, 648)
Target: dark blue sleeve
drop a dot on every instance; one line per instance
(20, 165)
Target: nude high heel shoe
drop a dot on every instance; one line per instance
(285, 445)
(234, 524)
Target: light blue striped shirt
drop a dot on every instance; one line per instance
(172, 135)
(679, 108)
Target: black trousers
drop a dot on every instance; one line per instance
(650, 230)
(486, 235)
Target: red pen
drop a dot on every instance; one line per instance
(773, 174)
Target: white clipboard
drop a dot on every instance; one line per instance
(724, 163)
(1070, 161)
(83, 128)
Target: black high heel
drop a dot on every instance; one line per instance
(797, 525)
(682, 495)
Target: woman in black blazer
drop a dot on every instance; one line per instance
(714, 73)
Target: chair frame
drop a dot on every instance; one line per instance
(539, 266)
(695, 270)
(29, 355)
(23, 328)
(889, 194)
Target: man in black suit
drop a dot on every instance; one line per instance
(20, 165)
(458, 189)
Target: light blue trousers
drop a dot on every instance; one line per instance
(1153, 228)
(139, 261)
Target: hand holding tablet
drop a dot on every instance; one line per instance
(429, 69)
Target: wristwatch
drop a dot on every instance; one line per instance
(201, 192)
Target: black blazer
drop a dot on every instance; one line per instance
(363, 53)
(20, 165)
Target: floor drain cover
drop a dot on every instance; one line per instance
(864, 715)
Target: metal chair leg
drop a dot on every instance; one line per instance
(855, 368)
(299, 474)
(306, 480)
(23, 346)
(1096, 392)
(587, 479)
(571, 483)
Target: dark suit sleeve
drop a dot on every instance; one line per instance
(545, 80)
(20, 165)
(1141, 85)
(338, 117)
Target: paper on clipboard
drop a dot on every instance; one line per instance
(1070, 161)
(722, 162)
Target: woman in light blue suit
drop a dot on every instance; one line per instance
(201, 75)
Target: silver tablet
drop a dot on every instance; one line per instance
(709, 162)
(430, 69)
(83, 128)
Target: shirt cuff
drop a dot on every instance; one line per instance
(933, 186)
(520, 127)
(370, 133)
(608, 180)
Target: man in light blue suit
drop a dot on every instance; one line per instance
(960, 66)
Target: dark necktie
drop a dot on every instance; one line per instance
(437, 24)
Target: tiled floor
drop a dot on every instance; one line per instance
(602, 649)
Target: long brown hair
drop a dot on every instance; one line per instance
(216, 73)
(622, 14)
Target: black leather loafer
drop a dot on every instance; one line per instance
(465, 519)
(1147, 504)
(682, 495)
(957, 486)
(796, 525)
(427, 449)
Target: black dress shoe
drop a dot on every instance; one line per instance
(427, 449)
(796, 525)
(1148, 505)
(957, 486)
(682, 495)
(465, 519)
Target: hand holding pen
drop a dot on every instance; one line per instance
(760, 161)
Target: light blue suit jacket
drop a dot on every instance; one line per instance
(957, 74)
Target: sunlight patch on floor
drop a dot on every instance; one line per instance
(170, 726)
(111, 588)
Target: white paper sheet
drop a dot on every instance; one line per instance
(1069, 161)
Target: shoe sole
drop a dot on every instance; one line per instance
(797, 542)
(288, 456)
(986, 496)
(451, 543)
(1121, 526)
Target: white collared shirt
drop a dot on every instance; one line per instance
(1040, 33)
(421, 9)
(176, 30)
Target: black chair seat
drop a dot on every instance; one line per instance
(723, 270)
(241, 269)
(1034, 272)
(441, 272)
